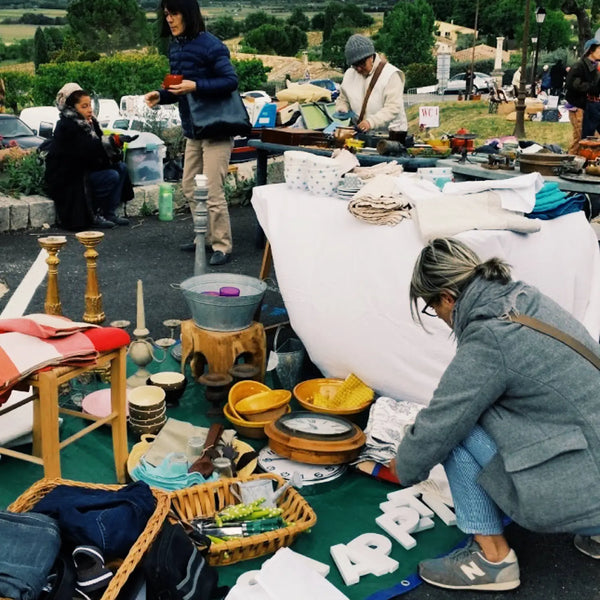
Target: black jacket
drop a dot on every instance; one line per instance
(73, 153)
(582, 79)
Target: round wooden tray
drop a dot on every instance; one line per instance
(316, 452)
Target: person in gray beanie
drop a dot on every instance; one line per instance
(383, 108)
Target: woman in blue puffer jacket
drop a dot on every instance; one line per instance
(203, 61)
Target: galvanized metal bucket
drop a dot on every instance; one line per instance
(290, 356)
(223, 313)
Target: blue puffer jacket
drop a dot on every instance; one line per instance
(205, 60)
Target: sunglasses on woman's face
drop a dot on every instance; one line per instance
(360, 63)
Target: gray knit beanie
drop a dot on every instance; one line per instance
(358, 47)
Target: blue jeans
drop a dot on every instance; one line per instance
(30, 544)
(475, 511)
(107, 188)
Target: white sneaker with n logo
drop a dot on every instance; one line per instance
(467, 569)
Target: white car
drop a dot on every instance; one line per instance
(257, 94)
(481, 83)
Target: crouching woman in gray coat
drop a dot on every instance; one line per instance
(515, 419)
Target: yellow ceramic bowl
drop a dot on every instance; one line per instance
(250, 429)
(263, 401)
(304, 392)
(241, 390)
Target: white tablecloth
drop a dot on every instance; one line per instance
(345, 285)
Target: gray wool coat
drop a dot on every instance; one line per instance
(536, 397)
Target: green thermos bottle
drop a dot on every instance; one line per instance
(165, 202)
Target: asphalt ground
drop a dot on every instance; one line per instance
(149, 250)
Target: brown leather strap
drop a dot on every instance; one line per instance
(557, 334)
(374, 79)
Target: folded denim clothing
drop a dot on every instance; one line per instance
(112, 520)
(30, 545)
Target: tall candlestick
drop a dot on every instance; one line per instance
(140, 327)
(141, 320)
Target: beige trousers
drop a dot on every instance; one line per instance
(210, 157)
(576, 118)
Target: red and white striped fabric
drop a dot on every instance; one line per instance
(26, 346)
(43, 326)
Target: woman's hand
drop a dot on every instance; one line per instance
(364, 126)
(185, 87)
(152, 99)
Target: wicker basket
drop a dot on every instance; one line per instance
(207, 499)
(38, 490)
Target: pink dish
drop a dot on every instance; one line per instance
(229, 291)
(98, 403)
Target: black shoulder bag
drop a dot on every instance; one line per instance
(218, 117)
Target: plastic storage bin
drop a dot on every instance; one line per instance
(144, 158)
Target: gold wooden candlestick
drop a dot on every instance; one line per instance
(52, 245)
(93, 298)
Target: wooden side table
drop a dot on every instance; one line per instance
(46, 436)
(220, 349)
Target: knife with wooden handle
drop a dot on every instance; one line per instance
(203, 465)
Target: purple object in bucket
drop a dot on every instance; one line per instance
(229, 291)
(210, 293)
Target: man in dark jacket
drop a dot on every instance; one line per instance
(557, 78)
(582, 84)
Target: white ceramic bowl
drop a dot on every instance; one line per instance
(147, 396)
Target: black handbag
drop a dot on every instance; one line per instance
(218, 117)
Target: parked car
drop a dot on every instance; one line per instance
(13, 132)
(328, 84)
(457, 83)
(257, 94)
(41, 119)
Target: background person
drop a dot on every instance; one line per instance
(385, 108)
(516, 82)
(581, 79)
(557, 78)
(84, 174)
(204, 62)
(515, 419)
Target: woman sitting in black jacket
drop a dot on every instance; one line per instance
(84, 175)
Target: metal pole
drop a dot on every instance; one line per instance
(519, 130)
(535, 62)
(469, 90)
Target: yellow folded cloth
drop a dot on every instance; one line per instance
(351, 394)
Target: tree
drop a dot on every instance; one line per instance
(224, 27)
(317, 23)
(299, 19)
(343, 15)
(333, 47)
(407, 33)
(40, 48)
(255, 19)
(108, 24)
(252, 74)
(272, 39)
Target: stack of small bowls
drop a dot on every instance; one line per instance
(251, 405)
(147, 409)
